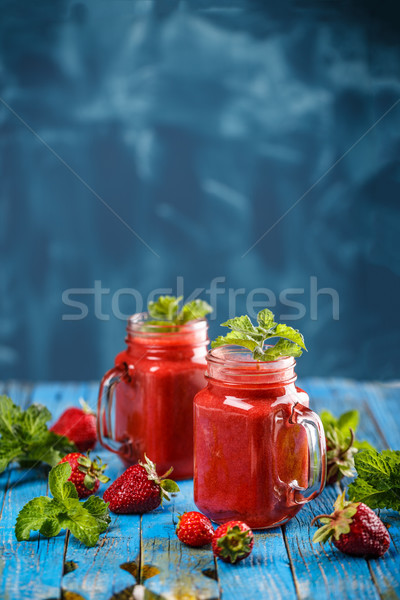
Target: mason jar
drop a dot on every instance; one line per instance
(260, 452)
(146, 401)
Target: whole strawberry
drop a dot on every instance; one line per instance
(194, 529)
(86, 475)
(233, 541)
(139, 489)
(355, 529)
(78, 425)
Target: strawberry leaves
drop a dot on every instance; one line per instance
(337, 523)
(25, 438)
(167, 486)
(244, 333)
(86, 521)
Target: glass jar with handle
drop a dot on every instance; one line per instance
(146, 401)
(260, 452)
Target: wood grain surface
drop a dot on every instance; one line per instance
(141, 557)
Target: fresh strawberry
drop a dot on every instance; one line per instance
(194, 529)
(139, 489)
(233, 541)
(355, 529)
(78, 425)
(86, 474)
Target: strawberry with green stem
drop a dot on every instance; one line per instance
(139, 489)
(86, 474)
(232, 541)
(354, 528)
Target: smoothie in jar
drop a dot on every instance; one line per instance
(146, 401)
(259, 449)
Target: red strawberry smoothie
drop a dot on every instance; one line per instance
(250, 454)
(163, 371)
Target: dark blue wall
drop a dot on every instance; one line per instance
(200, 124)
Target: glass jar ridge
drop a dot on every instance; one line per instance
(235, 365)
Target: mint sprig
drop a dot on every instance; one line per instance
(85, 520)
(244, 333)
(168, 309)
(24, 436)
(378, 481)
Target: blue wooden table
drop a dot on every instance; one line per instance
(140, 556)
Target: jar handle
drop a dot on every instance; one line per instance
(316, 452)
(106, 407)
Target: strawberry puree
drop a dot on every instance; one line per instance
(159, 376)
(251, 454)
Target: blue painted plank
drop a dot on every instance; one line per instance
(33, 569)
(180, 567)
(20, 393)
(380, 425)
(316, 567)
(99, 574)
(266, 573)
(58, 396)
(323, 571)
(266, 570)
(384, 403)
(319, 572)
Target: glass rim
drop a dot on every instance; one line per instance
(137, 320)
(226, 356)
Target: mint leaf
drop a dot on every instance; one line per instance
(9, 414)
(80, 522)
(361, 491)
(242, 324)
(265, 319)
(293, 335)
(24, 436)
(86, 520)
(381, 470)
(60, 488)
(378, 481)
(99, 510)
(236, 339)
(197, 309)
(166, 309)
(244, 333)
(282, 348)
(33, 516)
(32, 422)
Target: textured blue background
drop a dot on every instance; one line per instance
(200, 123)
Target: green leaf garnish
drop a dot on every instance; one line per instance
(85, 520)
(341, 445)
(24, 436)
(378, 481)
(167, 310)
(244, 333)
